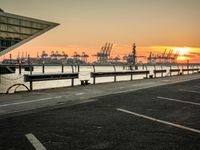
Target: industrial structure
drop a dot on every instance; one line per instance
(166, 57)
(84, 57)
(57, 56)
(132, 58)
(104, 55)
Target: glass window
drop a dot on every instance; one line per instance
(13, 21)
(3, 19)
(26, 31)
(13, 28)
(3, 34)
(25, 23)
(34, 31)
(3, 27)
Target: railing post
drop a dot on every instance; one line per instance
(94, 79)
(30, 68)
(43, 67)
(62, 68)
(115, 78)
(179, 70)
(78, 68)
(72, 68)
(188, 72)
(31, 85)
(170, 67)
(155, 71)
(72, 78)
(94, 68)
(146, 70)
(161, 69)
(20, 68)
(192, 69)
(131, 75)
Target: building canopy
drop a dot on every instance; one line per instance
(16, 30)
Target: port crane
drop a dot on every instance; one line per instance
(104, 54)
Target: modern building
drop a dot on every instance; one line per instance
(16, 30)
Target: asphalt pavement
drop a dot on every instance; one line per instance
(164, 117)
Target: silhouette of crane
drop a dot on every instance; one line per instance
(104, 54)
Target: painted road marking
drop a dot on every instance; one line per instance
(190, 91)
(160, 121)
(31, 101)
(177, 100)
(35, 142)
(79, 93)
(166, 80)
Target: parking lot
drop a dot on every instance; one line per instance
(163, 117)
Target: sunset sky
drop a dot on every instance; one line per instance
(86, 25)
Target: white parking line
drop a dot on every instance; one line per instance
(35, 142)
(166, 80)
(190, 91)
(79, 93)
(177, 100)
(31, 101)
(160, 121)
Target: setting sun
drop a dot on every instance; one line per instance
(183, 51)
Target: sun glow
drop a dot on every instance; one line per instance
(183, 53)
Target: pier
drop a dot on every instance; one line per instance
(91, 74)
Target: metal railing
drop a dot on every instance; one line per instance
(145, 69)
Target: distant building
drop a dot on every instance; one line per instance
(16, 30)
